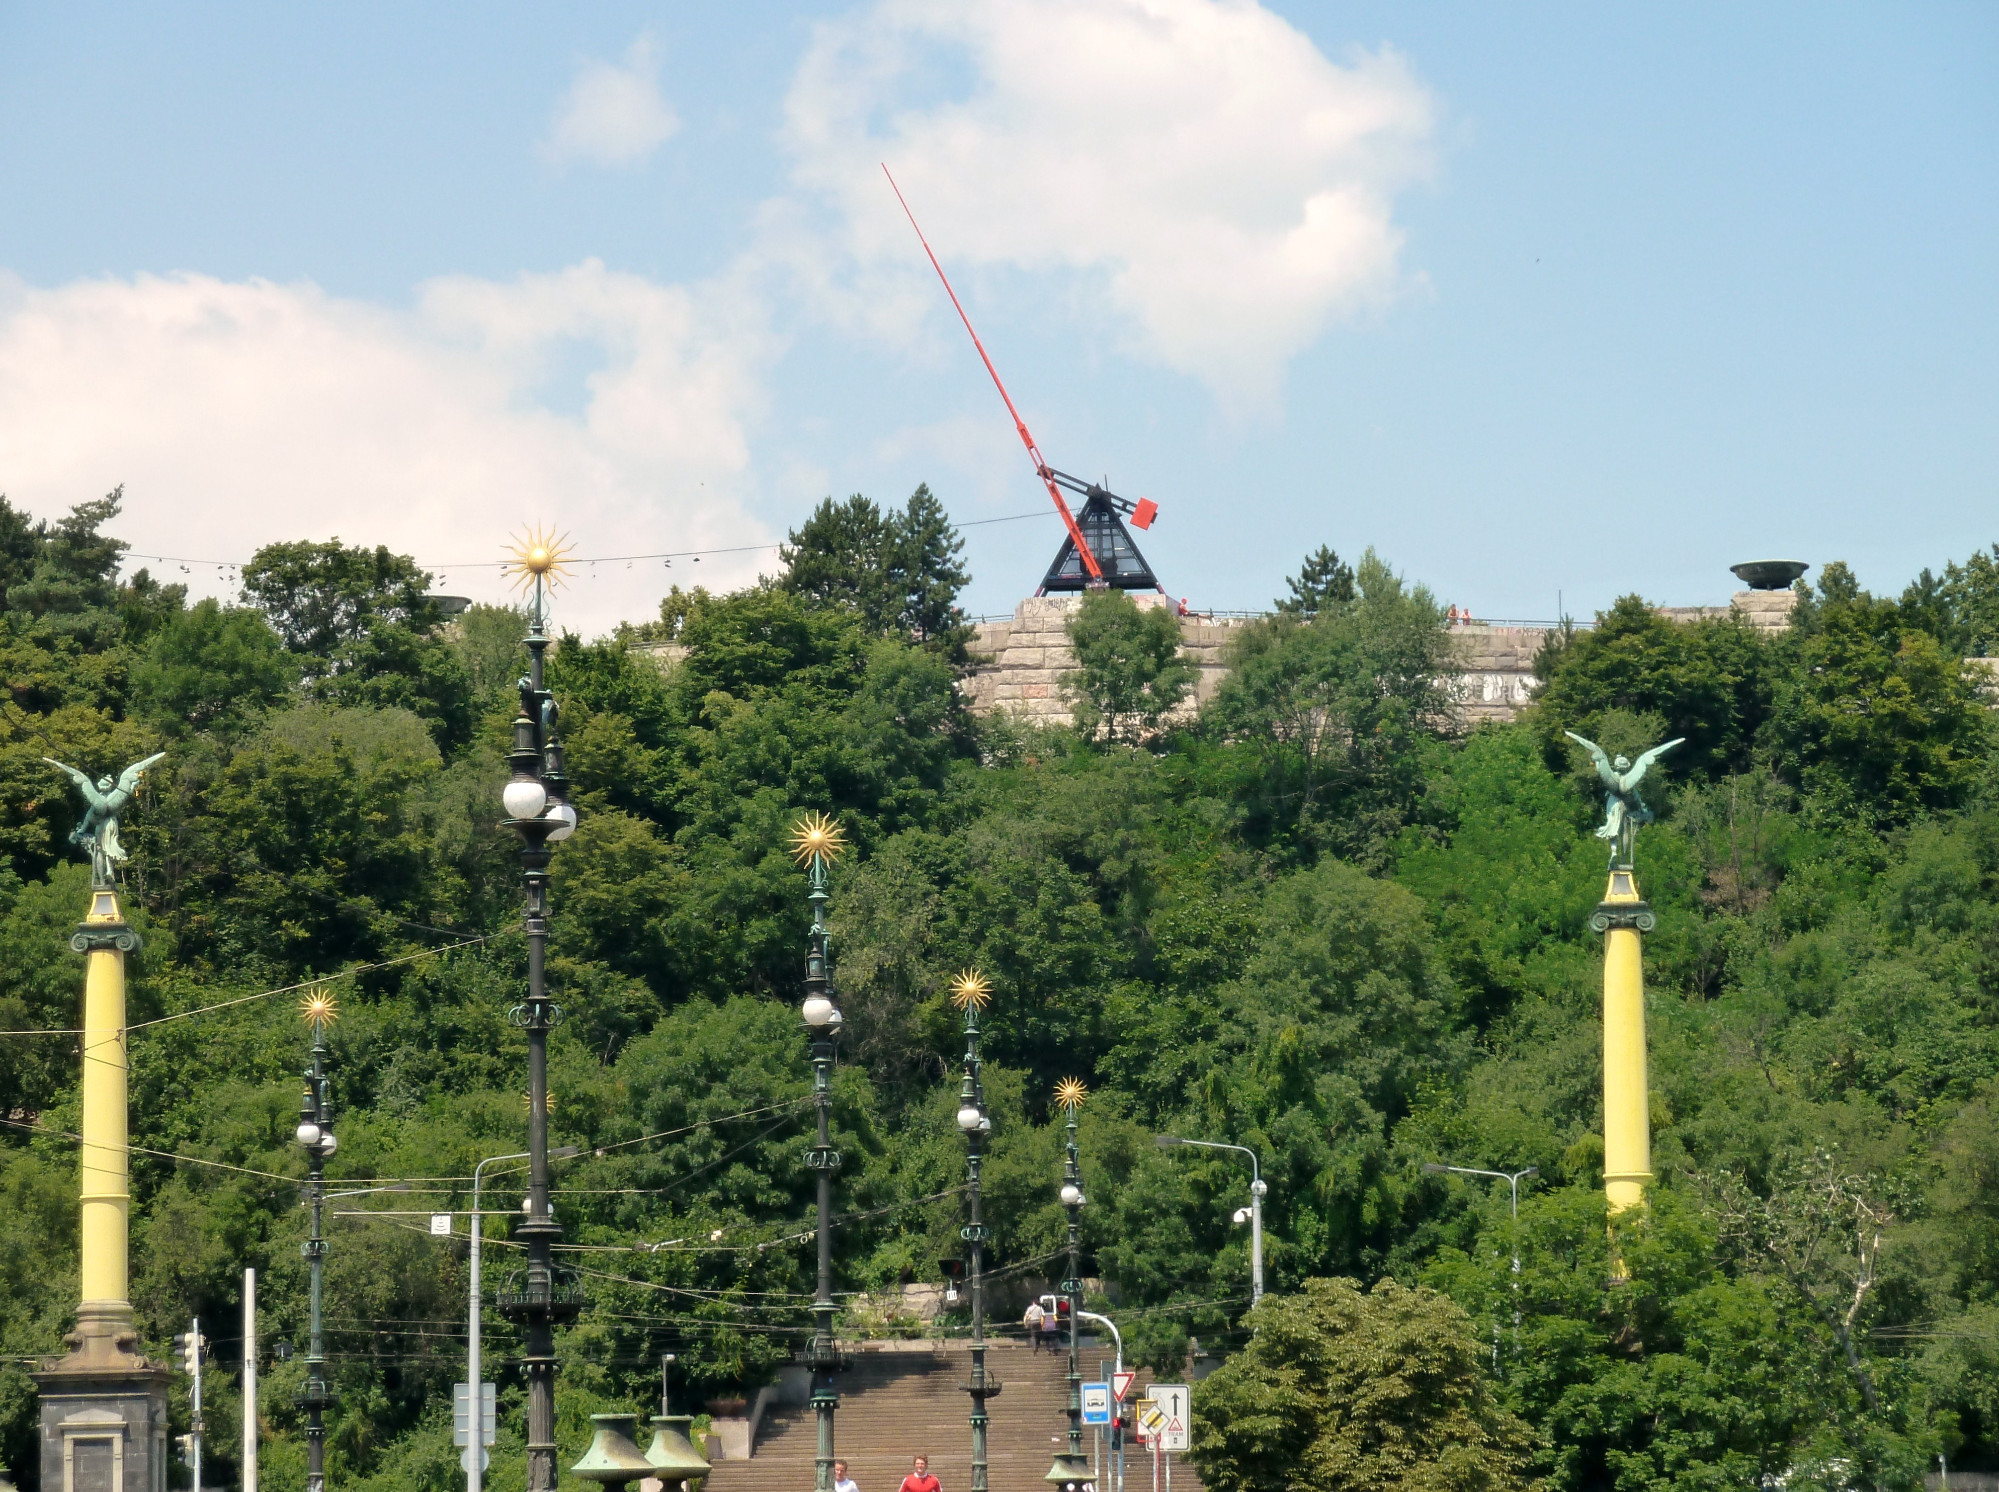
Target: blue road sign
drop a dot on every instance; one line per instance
(1096, 1403)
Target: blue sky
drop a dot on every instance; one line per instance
(1536, 300)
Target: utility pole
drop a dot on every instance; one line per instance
(315, 1133)
(816, 842)
(249, 1380)
(540, 813)
(971, 993)
(1072, 1468)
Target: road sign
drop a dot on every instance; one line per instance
(1174, 1404)
(461, 1415)
(440, 1224)
(1121, 1385)
(485, 1459)
(1150, 1420)
(1096, 1403)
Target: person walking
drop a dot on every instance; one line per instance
(919, 1478)
(841, 1481)
(1032, 1321)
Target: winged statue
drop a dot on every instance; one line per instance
(104, 800)
(1623, 809)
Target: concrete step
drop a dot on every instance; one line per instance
(897, 1405)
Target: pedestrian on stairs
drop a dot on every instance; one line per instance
(920, 1479)
(1032, 1321)
(841, 1481)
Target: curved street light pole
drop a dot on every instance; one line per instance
(1257, 1191)
(1513, 1180)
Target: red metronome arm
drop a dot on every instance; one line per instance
(1041, 467)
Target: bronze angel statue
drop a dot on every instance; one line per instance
(1623, 809)
(97, 833)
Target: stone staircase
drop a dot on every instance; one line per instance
(909, 1400)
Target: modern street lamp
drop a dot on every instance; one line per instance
(1072, 1468)
(315, 1133)
(816, 842)
(1513, 1180)
(539, 812)
(971, 993)
(1257, 1192)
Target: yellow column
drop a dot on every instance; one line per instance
(106, 1166)
(1627, 1126)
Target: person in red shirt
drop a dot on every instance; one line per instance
(919, 1478)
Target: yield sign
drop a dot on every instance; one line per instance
(1121, 1385)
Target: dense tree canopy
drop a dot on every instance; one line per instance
(1314, 916)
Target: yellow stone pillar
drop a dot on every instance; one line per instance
(104, 1405)
(1623, 917)
(104, 940)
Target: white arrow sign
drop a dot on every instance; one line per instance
(1174, 1402)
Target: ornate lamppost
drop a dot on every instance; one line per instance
(971, 993)
(1072, 1468)
(315, 1133)
(816, 842)
(539, 812)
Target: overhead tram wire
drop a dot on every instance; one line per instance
(181, 1015)
(438, 566)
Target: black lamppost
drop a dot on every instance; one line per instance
(1072, 1468)
(538, 811)
(315, 1133)
(816, 843)
(970, 993)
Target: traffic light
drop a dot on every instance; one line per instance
(1062, 1308)
(186, 1446)
(188, 1347)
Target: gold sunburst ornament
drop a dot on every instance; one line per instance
(971, 991)
(816, 837)
(538, 555)
(318, 1008)
(1070, 1093)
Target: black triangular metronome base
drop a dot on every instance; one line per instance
(1124, 567)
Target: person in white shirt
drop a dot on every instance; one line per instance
(841, 1481)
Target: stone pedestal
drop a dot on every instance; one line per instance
(104, 1411)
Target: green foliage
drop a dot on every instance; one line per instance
(1323, 583)
(1877, 717)
(1336, 707)
(899, 571)
(211, 669)
(1326, 925)
(1345, 1389)
(1709, 681)
(1129, 674)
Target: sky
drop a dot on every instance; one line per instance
(1545, 303)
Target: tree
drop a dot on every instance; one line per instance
(1334, 708)
(365, 632)
(211, 668)
(1876, 716)
(1709, 681)
(1960, 608)
(1342, 1390)
(1323, 583)
(1129, 674)
(900, 571)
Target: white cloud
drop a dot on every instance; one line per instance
(241, 413)
(1228, 186)
(613, 114)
